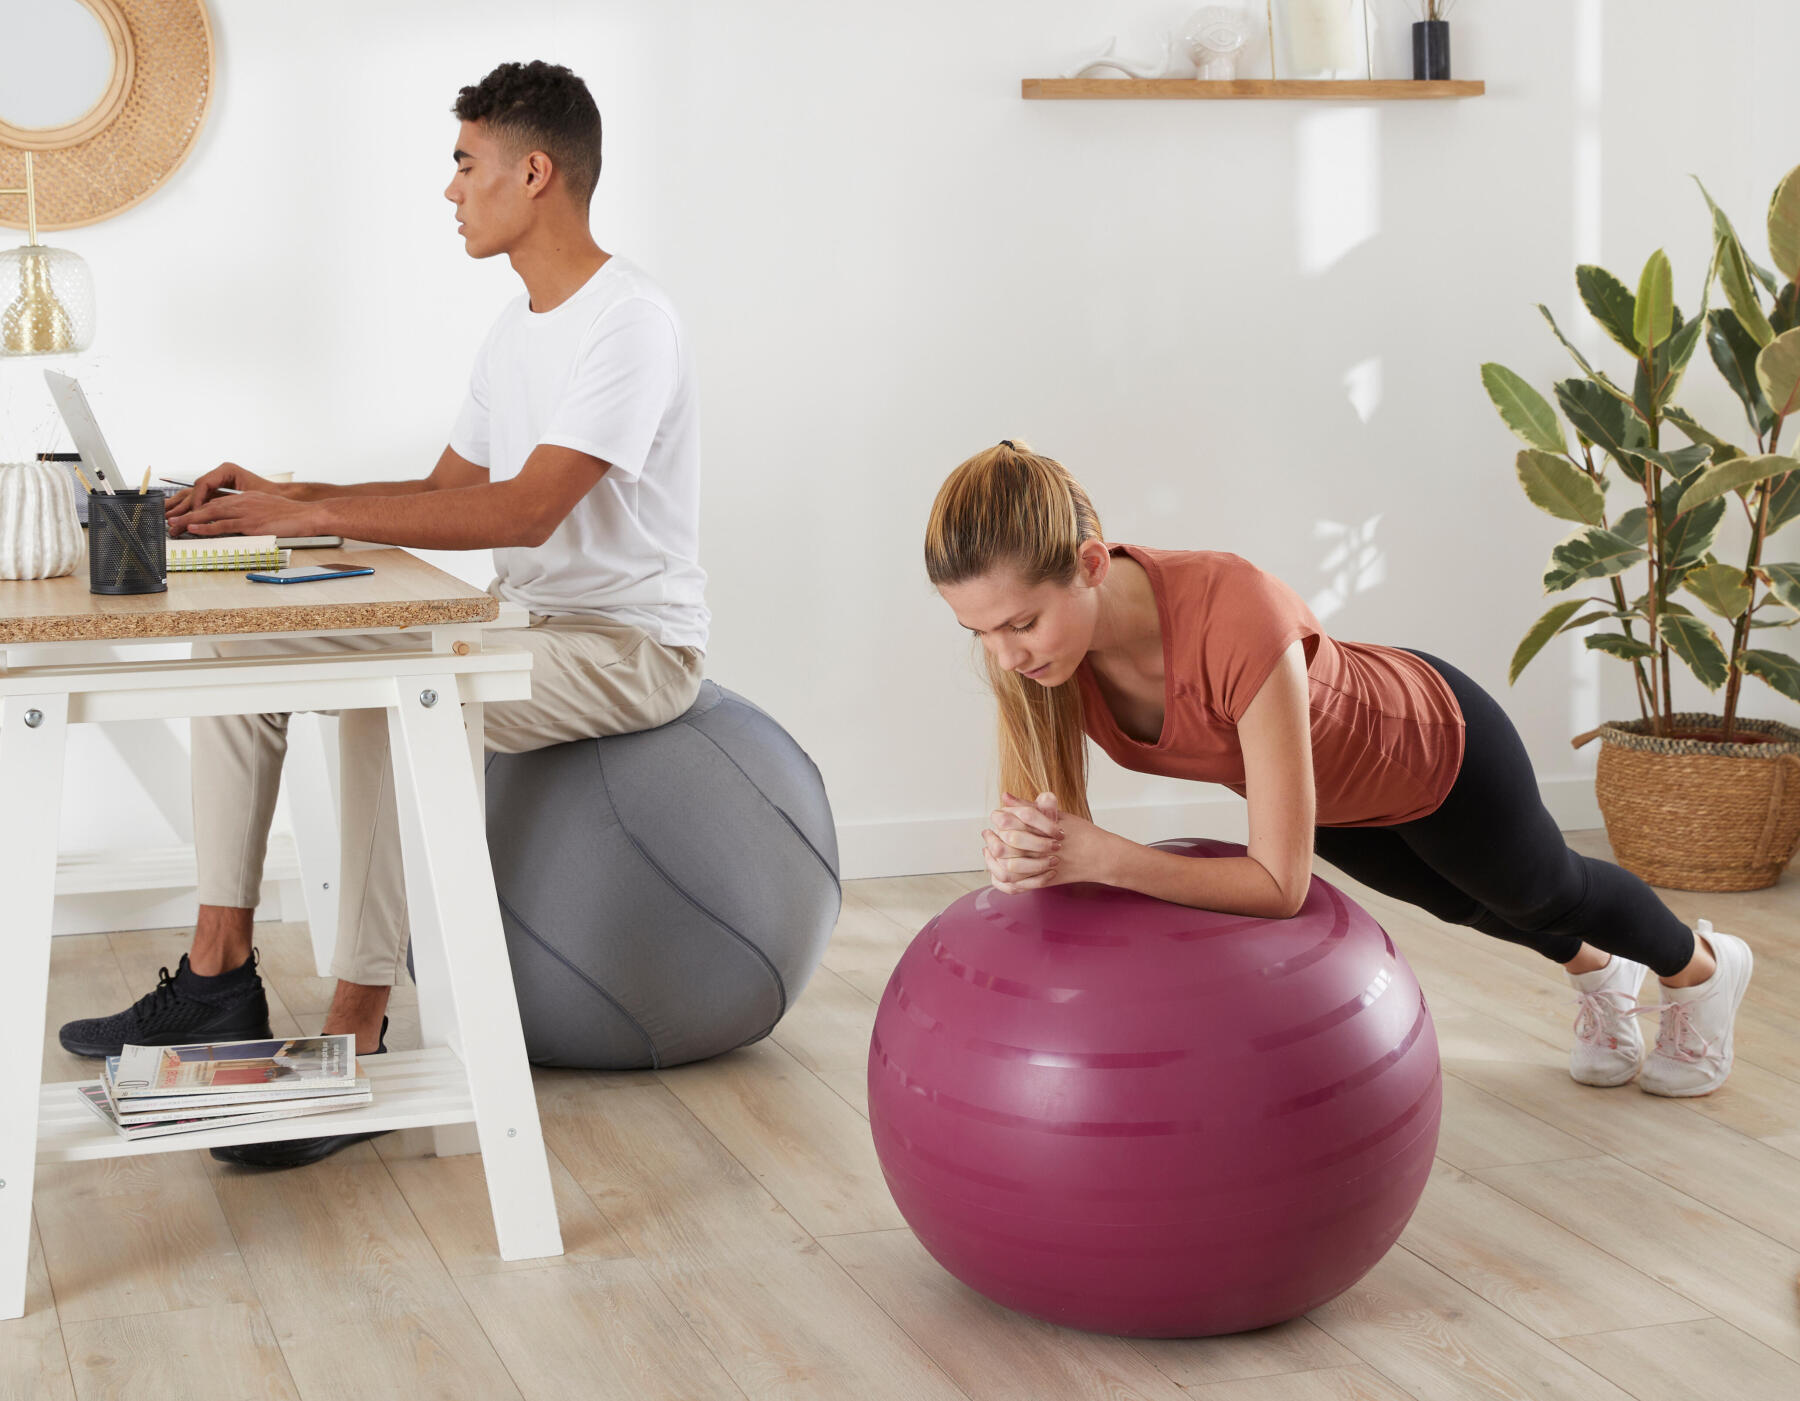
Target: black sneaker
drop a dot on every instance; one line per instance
(182, 1010)
(298, 1152)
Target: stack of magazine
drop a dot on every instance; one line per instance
(152, 1091)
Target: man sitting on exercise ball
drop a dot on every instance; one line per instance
(576, 459)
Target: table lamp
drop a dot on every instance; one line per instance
(46, 294)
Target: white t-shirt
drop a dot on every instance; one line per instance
(608, 372)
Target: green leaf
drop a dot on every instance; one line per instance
(1734, 351)
(1786, 314)
(1722, 229)
(1610, 303)
(1526, 412)
(1590, 554)
(1784, 226)
(1721, 588)
(1784, 501)
(1619, 645)
(1599, 417)
(1633, 526)
(1671, 365)
(1653, 317)
(1784, 582)
(1599, 615)
(1778, 372)
(1556, 486)
(1740, 293)
(1683, 464)
(1777, 668)
(1541, 632)
(1688, 537)
(1696, 644)
(1730, 476)
(1597, 376)
(1691, 426)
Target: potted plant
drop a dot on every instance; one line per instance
(1692, 801)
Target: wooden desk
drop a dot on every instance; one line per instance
(472, 1069)
(403, 592)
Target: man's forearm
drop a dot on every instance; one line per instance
(493, 516)
(334, 491)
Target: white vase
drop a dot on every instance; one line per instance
(40, 538)
(1323, 38)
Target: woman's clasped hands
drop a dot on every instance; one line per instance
(1029, 845)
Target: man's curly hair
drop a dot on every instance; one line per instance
(544, 107)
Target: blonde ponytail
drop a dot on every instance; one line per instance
(1009, 507)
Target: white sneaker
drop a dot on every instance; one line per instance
(1693, 1045)
(1608, 1043)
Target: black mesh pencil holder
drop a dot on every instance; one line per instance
(127, 543)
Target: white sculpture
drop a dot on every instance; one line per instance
(1165, 67)
(1214, 37)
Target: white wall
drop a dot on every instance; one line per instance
(1248, 326)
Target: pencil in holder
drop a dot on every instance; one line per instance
(127, 543)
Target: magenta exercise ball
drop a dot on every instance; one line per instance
(1133, 1117)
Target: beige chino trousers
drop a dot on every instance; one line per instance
(590, 676)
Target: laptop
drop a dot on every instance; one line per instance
(103, 468)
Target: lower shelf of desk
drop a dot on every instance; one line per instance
(411, 1089)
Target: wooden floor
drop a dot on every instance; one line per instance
(729, 1234)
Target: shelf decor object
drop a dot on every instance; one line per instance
(1316, 34)
(133, 138)
(1325, 40)
(40, 537)
(1431, 41)
(1214, 38)
(46, 294)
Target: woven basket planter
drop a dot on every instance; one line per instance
(1690, 814)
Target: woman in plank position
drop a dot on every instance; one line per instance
(1389, 763)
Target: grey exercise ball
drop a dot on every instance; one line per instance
(666, 894)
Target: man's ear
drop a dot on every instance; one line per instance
(538, 170)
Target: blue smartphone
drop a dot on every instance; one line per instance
(304, 573)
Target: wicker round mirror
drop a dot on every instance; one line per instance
(149, 109)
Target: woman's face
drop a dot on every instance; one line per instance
(1042, 631)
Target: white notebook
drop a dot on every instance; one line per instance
(225, 552)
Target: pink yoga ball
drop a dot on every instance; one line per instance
(1132, 1117)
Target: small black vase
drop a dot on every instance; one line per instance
(1431, 50)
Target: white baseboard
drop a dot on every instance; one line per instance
(925, 846)
(1572, 803)
(97, 892)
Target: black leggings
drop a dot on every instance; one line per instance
(1491, 857)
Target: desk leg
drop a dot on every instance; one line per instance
(310, 778)
(437, 1005)
(445, 837)
(33, 736)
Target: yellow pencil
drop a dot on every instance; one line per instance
(144, 485)
(83, 475)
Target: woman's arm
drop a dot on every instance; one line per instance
(1034, 845)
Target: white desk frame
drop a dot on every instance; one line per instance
(472, 1069)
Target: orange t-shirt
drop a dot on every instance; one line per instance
(1387, 733)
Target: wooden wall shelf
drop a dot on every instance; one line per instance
(1264, 89)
